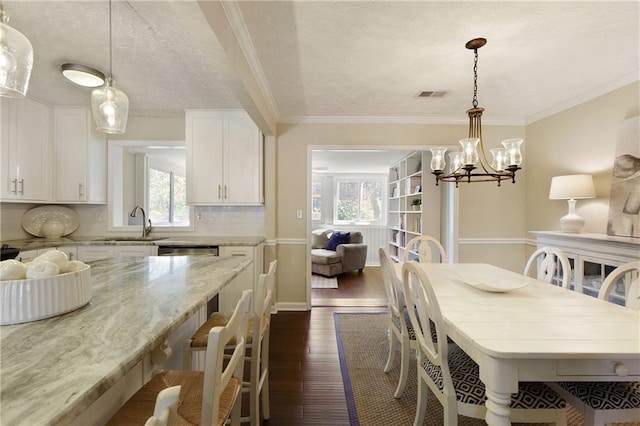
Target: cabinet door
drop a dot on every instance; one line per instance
(243, 160)
(81, 155)
(134, 251)
(26, 150)
(204, 157)
(89, 253)
(229, 296)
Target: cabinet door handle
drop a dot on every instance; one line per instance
(80, 190)
(14, 182)
(21, 186)
(225, 192)
(219, 191)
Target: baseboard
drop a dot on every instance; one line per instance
(291, 307)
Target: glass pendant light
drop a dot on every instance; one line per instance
(16, 60)
(110, 106)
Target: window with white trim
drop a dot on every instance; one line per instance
(360, 200)
(166, 194)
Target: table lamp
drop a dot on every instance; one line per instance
(572, 188)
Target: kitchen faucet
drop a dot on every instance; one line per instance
(145, 230)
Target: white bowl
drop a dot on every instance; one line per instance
(40, 298)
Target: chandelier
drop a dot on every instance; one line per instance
(16, 59)
(505, 161)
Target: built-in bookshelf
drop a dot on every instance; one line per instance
(406, 203)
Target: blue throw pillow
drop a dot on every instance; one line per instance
(338, 238)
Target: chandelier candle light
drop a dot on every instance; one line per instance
(462, 164)
(109, 105)
(16, 60)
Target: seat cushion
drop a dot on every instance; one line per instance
(324, 257)
(201, 337)
(465, 375)
(396, 322)
(605, 395)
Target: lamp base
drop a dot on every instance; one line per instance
(571, 223)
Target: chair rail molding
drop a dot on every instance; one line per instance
(494, 241)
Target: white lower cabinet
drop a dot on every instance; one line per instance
(229, 296)
(97, 252)
(592, 258)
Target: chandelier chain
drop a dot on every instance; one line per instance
(110, 43)
(475, 78)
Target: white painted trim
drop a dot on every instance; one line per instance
(292, 307)
(394, 120)
(580, 99)
(492, 241)
(270, 242)
(292, 241)
(239, 27)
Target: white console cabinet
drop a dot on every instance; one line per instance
(593, 257)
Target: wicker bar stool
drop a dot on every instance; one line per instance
(206, 398)
(257, 339)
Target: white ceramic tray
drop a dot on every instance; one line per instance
(40, 298)
(33, 219)
(494, 285)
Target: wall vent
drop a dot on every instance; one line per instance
(432, 94)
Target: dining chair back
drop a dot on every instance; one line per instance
(206, 398)
(256, 381)
(550, 262)
(452, 376)
(399, 328)
(164, 413)
(609, 402)
(627, 275)
(425, 249)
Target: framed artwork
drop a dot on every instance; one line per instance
(624, 204)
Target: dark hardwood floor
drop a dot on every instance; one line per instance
(306, 383)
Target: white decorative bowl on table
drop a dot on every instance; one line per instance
(39, 298)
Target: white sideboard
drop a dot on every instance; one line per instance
(593, 257)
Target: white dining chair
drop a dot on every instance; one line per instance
(453, 377)
(399, 329)
(257, 343)
(207, 398)
(609, 402)
(427, 248)
(548, 260)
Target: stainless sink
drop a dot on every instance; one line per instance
(131, 239)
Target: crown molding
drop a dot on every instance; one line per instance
(393, 120)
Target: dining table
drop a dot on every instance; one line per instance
(521, 329)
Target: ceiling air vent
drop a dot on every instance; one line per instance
(432, 94)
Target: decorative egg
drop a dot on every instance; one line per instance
(42, 269)
(12, 269)
(58, 257)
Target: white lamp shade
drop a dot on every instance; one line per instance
(572, 187)
(16, 62)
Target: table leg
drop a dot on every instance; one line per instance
(498, 410)
(500, 377)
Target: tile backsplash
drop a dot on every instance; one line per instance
(223, 220)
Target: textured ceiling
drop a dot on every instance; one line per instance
(340, 60)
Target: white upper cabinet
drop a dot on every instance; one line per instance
(26, 151)
(81, 157)
(224, 158)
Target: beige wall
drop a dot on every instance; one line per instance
(485, 210)
(578, 140)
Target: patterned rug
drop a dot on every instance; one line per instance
(363, 349)
(318, 281)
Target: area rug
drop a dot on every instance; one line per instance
(363, 348)
(318, 281)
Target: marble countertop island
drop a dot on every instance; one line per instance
(52, 370)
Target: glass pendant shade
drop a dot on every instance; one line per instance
(110, 108)
(469, 151)
(437, 158)
(16, 60)
(499, 157)
(514, 156)
(455, 161)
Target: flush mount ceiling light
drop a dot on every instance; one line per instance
(462, 168)
(16, 60)
(83, 75)
(109, 105)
